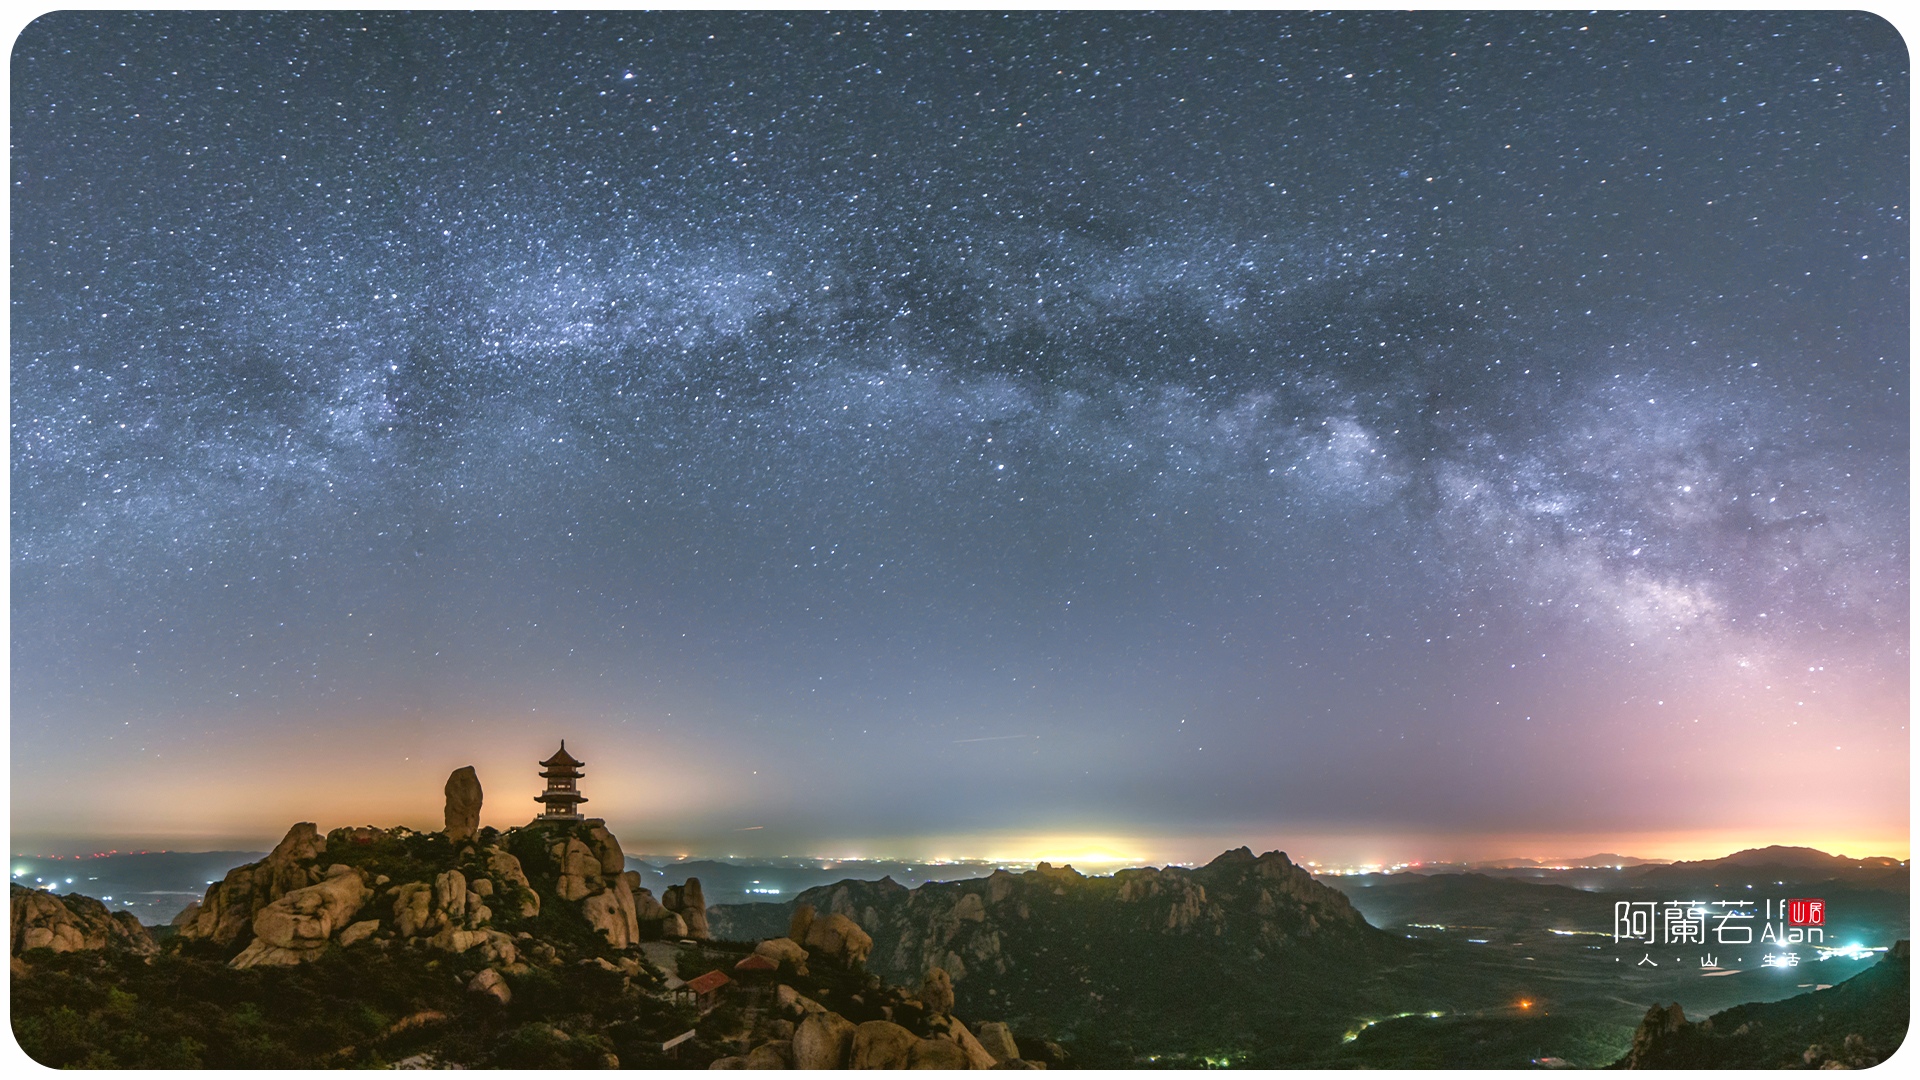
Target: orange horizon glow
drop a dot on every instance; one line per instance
(1093, 854)
(680, 796)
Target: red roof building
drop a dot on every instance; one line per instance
(756, 965)
(706, 989)
(711, 981)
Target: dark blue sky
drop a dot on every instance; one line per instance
(915, 431)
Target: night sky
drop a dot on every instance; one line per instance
(993, 435)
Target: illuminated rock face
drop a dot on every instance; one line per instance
(461, 891)
(840, 939)
(72, 923)
(294, 928)
(226, 913)
(689, 902)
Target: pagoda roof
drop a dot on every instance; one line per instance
(562, 758)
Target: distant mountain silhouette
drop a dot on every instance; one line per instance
(1779, 865)
(1602, 860)
(1608, 858)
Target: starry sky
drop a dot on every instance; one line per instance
(981, 435)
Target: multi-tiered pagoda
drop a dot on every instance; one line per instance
(562, 797)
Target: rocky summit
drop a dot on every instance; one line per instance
(1265, 905)
(1185, 953)
(468, 947)
(463, 890)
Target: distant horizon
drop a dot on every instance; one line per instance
(1319, 851)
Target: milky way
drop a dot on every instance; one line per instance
(926, 425)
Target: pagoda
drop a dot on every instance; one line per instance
(562, 797)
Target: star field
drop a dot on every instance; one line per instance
(932, 425)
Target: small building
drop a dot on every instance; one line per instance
(562, 798)
(705, 990)
(755, 968)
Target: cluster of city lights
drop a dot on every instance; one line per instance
(1848, 952)
(1367, 1023)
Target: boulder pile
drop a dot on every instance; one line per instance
(42, 920)
(464, 891)
(912, 1032)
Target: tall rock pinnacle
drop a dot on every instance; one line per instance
(463, 804)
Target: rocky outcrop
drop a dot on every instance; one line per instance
(1262, 905)
(936, 1054)
(1854, 1052)
(936, 992)
(613, 911)
(645, 908)
(1184, 899)
(862, 901)
(606, 849)
(784, 951)
(902, 1029)
(1855, 1024)
(506, 869)
(1658, 1023)
(297, 926)
(971, 1050)
(72, 923)
(882, 1044)
(773, 1054)
(998, 1042)
(355, 933)
(463, 805)
(226, 913)
(824, 1040)
(450, 915)
(450, 896)
(577, 869)
(1657, 1029)
(840, 940)
(491, 984)
(689, 902)
(801, 922)
(588, 869)
(413, 911)
(793, 1003)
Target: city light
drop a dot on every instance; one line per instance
(1849, 952)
